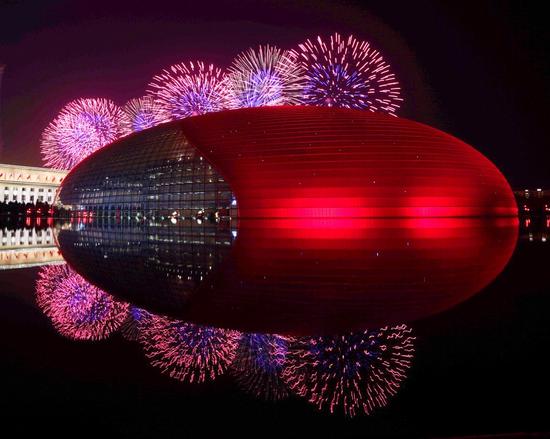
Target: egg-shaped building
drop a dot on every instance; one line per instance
(288, 162)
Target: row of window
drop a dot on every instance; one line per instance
(25, 237)
(23, 189)
(23, 198)
(13, 242)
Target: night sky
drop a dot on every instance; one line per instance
(478, 71)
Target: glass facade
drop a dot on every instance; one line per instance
(153, 173)
(174, 259)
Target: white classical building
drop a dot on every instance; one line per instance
(26, 184)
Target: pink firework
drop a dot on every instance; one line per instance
(265, 76)
(348, 73)
(77, 309)
(259, 363)
(189, 89)
(137, 317)
(352, 373)
(188, 352)
(81, 127)
(142, 113)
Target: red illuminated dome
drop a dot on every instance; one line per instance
(327, 162)
(297, 162)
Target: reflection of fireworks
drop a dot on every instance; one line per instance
(188, 352)
(259, 363)
(82, 127)
(142, 113)
(137, 317)
(189, 89)
(77, 309)
(347, 73)
(353, 373)
(267, 76)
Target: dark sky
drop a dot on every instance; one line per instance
(477, 70)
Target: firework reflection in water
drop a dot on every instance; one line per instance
(77, 309)
(351, 373)
(258, 365)
(188, 352)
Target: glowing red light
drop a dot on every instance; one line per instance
(312, 162)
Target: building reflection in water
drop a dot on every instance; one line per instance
(266, 302)
(266, 276)
(352, 373)
(158, 267)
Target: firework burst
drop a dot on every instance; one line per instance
(188, 352)
(137, 317)
(353, 373)
(258, 365)
(347, 73)
(77, 309)
(266, 76)
(142, 113)
(81, 127)
(189, 89)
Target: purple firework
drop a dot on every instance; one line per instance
(77, 309)
(81, 127)
(188, 352)
(266, 76)
(352, 373)
(137, 317)
(142, 113)
(259, 363)
(348, 73)
(189, 89)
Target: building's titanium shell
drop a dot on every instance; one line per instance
(294, 162)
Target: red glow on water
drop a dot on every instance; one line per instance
(352, 272)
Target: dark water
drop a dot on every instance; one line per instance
(434, 327)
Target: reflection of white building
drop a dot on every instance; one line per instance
(26, 184)
(25, 238)
(23, 248)
(29, 257)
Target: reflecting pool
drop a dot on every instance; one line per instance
(387, 325)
